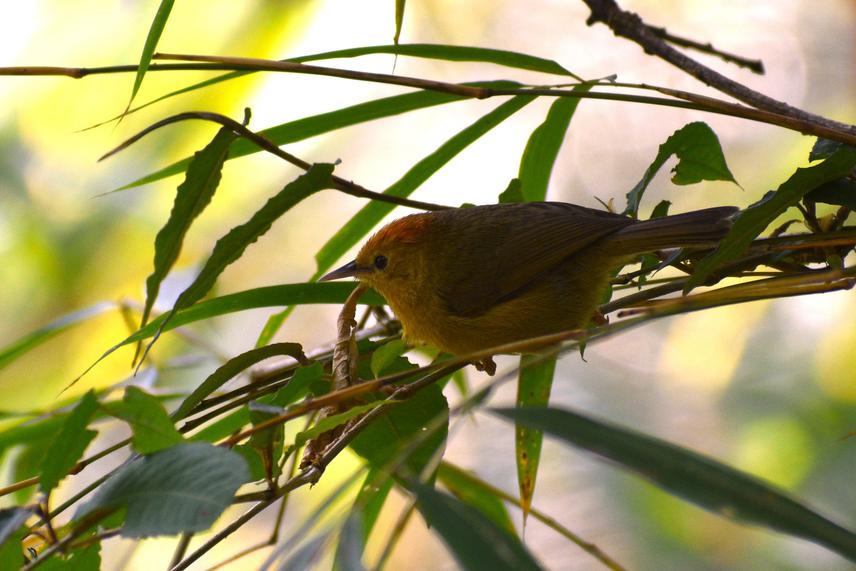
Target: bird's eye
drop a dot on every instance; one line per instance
(380, 262)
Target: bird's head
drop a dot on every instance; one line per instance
(392, 259)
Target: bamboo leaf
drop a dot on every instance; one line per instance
(690, 475)
(475, 541)
(155, 31)
(533, 389)
(191, 198)
(543, 146)
(699, 156)
(470, 491)
(752, 221)
(70, 444)
(399, 19)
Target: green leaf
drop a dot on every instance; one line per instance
(268, 442)
(233, 367)
(152, 38)
(512, 193)
(70, 443)
(471, 491)
(11, 553)
(152, 427)
(698, 478)
(386, 354)
(841, 192)
(349, 551)
(223, 427)
(299, 385)
(370, 500)
(752, 221)
(307, 127)
(231, 246)
(543, 146)
(699, 158)
(191, 198)
(475, 541)
(399, 19)
(533, 389)
(374, 212)
(181, 489)
(399, 427)
(11, 520)
(85, 559)
(35, 338)
(661, 210)
(823, 149)
(329, 423)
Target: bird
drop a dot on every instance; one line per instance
(468, 279)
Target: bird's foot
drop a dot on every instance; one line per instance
(487, 365)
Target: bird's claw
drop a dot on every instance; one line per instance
(487, 365)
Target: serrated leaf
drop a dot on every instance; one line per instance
(398, 427)
(233, 367)
(307, 127)
(841, 192)
(476, 542)
(70, 443)
(35, 338)
(231, 246)
(383, 356)
(152, 427)
(155, 31)
(752, 221)
(543, 146)
(470, 491)
(181, 489)
(699, 158)
(533, 389)
(192, 197)
(371, 214)
(690, 475)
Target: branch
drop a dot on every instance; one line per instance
(631, 26)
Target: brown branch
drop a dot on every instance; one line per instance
(754, 65)
(629, 25)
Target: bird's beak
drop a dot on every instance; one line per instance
(349, 270)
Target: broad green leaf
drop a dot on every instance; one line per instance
(398, 427)
(231, 246)
(11, 552)
(11, 520)
(383, 356)
(35, 338)
(543, 146)
(699, 158)
(512, 193)
(152, 38)
(693, 476)
(823, 149)
(370, 500)
(70, 443)
(470, 491)
(84, 559)
(752, 221)
(533, 389)
(374, 212)
(152, 427)
(298, 386)
(181, 489)
(329, 423)
(399, 19)
(475, 541)
(191, 198)
(307, 127)
(233, 367)
(253, 460)
(28, 462)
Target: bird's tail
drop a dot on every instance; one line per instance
(699, 228)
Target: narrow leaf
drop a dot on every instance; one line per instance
(370, 500)
(233, 367)
(374, 212)
(152, 427)
(543, 146)
(191, 198)
(307, 127)
(399, 19)
(35, 338)
(533, 389)
(698, 478)
(699, 158)
(231, 246)
(476, 542)
(299, 385)
(267, 443)
(470, 491)
(70, 443)
(349, 551)
(752, 221)
(152, 38)
(329, 423)
(181, 489)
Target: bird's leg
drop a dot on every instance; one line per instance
(487, 365)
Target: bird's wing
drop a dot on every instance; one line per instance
(526, 241)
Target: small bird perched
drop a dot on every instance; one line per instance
(468, 279)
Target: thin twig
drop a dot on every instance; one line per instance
(754, 65)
